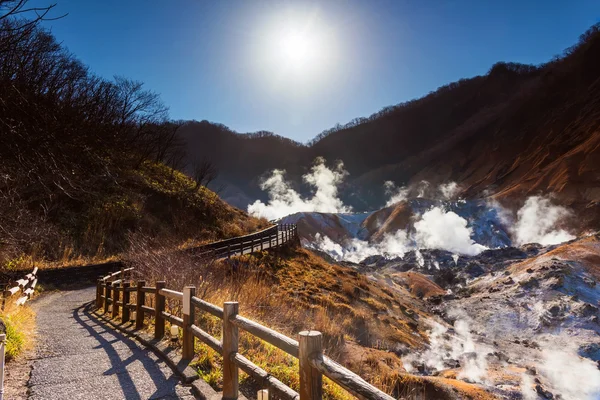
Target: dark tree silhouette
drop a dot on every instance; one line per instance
(204, 172)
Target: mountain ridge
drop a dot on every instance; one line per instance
(518, 130)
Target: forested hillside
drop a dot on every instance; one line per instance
(86, 162)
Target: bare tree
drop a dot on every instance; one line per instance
(204, 172)
(139, 105)
(28, 17)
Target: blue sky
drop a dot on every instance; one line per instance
(212, 59)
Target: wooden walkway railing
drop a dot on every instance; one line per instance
(271, 237)
(114, 295)
(25, 287)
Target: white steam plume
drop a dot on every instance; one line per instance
(573, 377)
(283, 200)
(423, 186)
(397, 194)
(446, 347)
(439, 229)
(449, 190)
(536, 221)
(356, 250)
(325, 244)
(527, 388)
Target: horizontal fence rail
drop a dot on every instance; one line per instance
(272, 237)
(117, 292)
(25, 287)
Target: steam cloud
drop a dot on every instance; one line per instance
(565, 372)
(444, 347)
(536, 221)
(449, 190)
(438, 229)
(396, 194)
(575, 378)
(284, 200)
(356, 250)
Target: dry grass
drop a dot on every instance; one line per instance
(418, 284)
(362, 321)
(152, 201)
(20, 329)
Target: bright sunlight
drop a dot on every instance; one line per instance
(295, 47)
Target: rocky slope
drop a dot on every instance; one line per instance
(517, 320)
(520, 322)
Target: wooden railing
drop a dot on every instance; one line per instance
(24, 286)
(271, 237)
(116, 299)
(115, 294)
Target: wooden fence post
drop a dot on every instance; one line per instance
(159, 320)
(139, 302)
(106, 296)
(188, 320)
(126, 300)
(2, 359)
(311, 380)
(230, 346)
(99, 294)
(115, 305)
(5, 294)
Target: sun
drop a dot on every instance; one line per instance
(296, 48)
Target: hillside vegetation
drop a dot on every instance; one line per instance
(518, 130)
(86, 162)
(367, 325)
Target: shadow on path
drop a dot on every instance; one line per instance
(121, 362)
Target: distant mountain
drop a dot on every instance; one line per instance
(516, 131)
(241, 159)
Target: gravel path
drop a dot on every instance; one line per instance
(77, 358)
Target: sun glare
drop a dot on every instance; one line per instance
(295, 49)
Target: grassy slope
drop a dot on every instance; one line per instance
(153, 201)
(366, 326)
